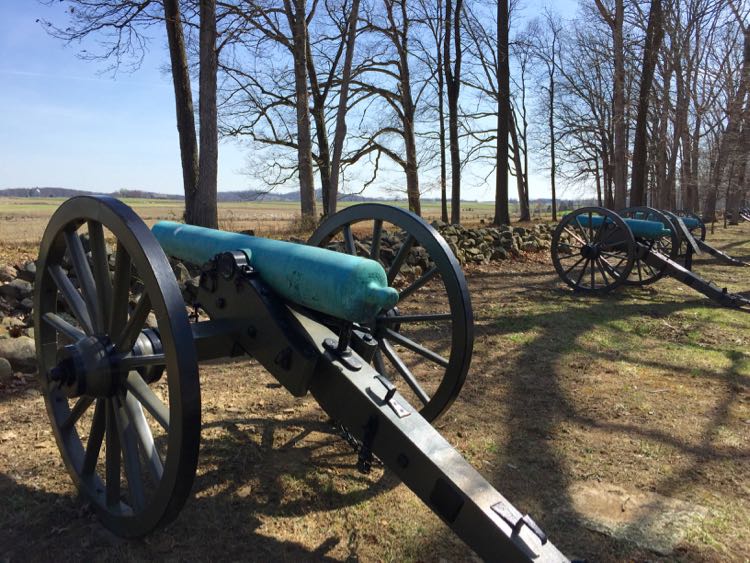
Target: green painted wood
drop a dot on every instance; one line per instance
(343, 286)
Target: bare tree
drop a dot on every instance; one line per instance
(119, 26)
(654, 36)
(340, 135)
(615, 19)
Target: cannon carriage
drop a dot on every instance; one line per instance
(118, 350)
(596, 250)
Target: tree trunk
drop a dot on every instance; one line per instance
(183, 105)
(553, 162)
(321, 131)
(206, 212)
(441, 118)
(453, 83)
(340, 134)
(298, 25)
(502, 214)
(730, 139)
(523, 200)
(654, 36)
(407, 102)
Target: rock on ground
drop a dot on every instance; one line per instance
(20, 352)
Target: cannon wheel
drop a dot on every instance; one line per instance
(427, 338)
(594, 259)
(123, 399)
(668, 245)
(698, 231)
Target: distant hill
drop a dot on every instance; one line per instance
(240, 195)
(249, 195)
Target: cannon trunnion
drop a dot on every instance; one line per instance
(118, 358)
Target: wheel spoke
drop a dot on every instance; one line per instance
(96, 435)
(582, 230)
(414, 347)
(349, 240)
(145, 438)
(423, 279)
(85, 278)
(583, 271)
(148, 398)
(135, 323)
(132, 362)
(82, 404)
(593, 274)
(72, 297)
(398, 319)
(101, 268)
(112, 457)
(601, 270)
(120, 291)
(377, 233)
(398, 260)
(404, 372)
(574, 235)
(129, 446)
(61, 325)
(581, 259)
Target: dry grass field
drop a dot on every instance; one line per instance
(620, 423)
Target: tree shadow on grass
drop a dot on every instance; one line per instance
(531, 469)
(252, 470)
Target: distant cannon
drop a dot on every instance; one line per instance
(595, 250)
(118, 356)
(691, 226)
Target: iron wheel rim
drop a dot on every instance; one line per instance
(584, 260)
(419, 233)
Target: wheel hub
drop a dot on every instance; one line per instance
(86, 368)
(91, 366)
(590, 251)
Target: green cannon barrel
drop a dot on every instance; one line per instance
(691, 222)
(343, 286)
(639, 227)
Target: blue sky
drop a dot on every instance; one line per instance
(64, 123)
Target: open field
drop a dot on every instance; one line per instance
(620, 423)
(22, 220)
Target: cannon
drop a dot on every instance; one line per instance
(119, 345)
(596, 250)
(691, 226)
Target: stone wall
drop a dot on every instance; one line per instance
(481, 245)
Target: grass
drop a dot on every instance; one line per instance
(643, 389)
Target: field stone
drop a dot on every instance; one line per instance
(6, 371)
(17, 289)
(649, 520)
(20, 352)
(27, 272)
(7, 273)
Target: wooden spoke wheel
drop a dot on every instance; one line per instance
(668, 245)
(425, 341)
(593, 250)
(117, 364)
